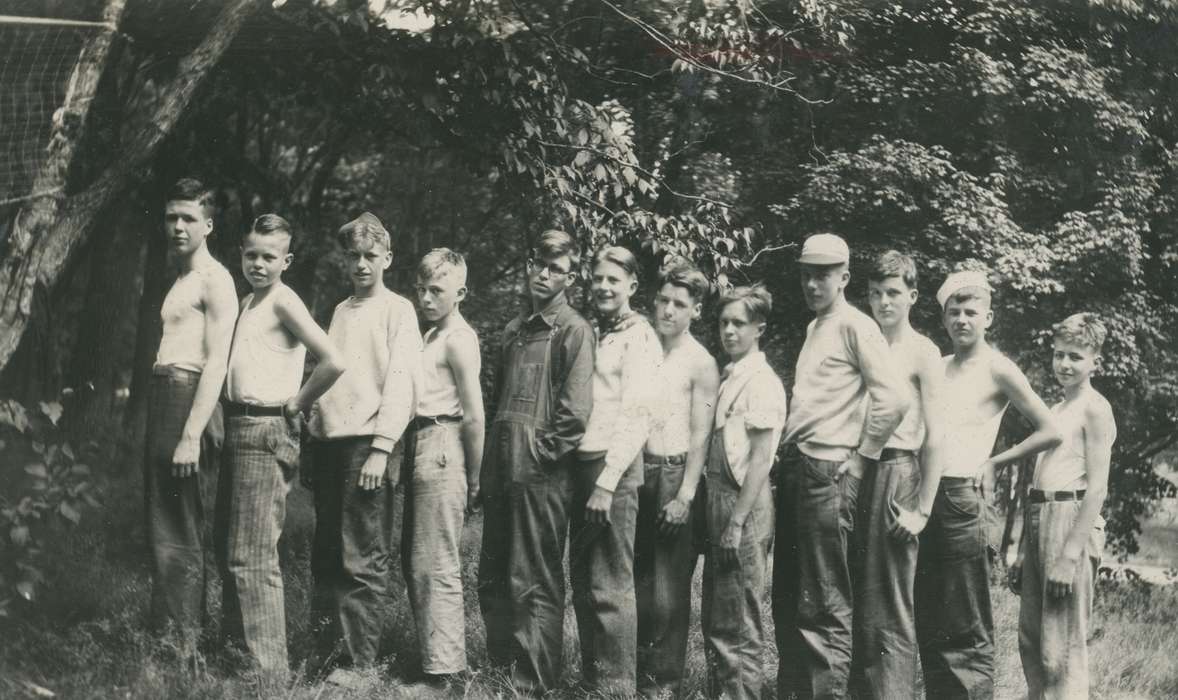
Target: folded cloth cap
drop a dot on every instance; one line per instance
(824, 249)
(365, 226)
(960, 280)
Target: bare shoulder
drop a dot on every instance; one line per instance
(1098, 411)
(288, 302)
(703, 365)
(1004, 370)
(463, 340)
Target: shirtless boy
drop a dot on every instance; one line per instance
(664, 550)
(956, 634)
(184, 425)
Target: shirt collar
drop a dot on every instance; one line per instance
(549, 313)
(749, 363)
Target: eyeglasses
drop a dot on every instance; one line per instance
(537, 265)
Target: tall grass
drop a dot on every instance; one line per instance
(86, 638)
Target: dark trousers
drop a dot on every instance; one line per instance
(179, 533)
(956, 630)
(521, 573)
(884, 665)
(350, 560)
(663, 567)
(601, 570)
(260, 459)
(812, 594)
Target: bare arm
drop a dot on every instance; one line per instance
(705, 384)
(462, 354)
(1014, 385)
(295, 317)
(220, 302)
(931, 375)
(885, 386)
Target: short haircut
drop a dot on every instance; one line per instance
(269, 224)
(554, 243)
(757, 300)
(1084, 329)
(893, 263)
(687, 277)
(364, 228)
(189, 189)
(440, 261)
(622, 257)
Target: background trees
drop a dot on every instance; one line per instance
(1037, 141)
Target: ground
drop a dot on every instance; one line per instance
(85, 638)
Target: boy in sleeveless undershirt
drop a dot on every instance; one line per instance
(664, 547)
(263, 409)
(1063, 534)
(954, 625)
(356, 426)
(444, 454)
(184, 425)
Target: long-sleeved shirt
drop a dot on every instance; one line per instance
(570, 374)
(844, 360)
(628, 360)
(377, 395)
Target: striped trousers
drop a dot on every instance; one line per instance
(260, 459)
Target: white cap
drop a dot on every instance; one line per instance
(824, 249)
(960, 280)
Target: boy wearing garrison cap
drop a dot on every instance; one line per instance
(833, 432)
(1064, 533)
(356, 426)
(955, 630)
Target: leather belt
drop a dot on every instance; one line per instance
(233, 409)
(891, 453)
(648, 458)
(1040, 496)
(421, 422)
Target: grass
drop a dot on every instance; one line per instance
(86, 637)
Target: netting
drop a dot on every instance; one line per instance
(36, 62)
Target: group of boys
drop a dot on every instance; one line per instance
(879, 498)
(229, 387)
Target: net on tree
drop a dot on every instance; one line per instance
(37, 59)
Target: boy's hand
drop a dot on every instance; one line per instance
(909, 524)
(374, 471)
(674, 516)
(597, 509)
(1014, 576)
(853, 466)
(730, 543)
(186, 456)
(1060, 575)
(473, 496)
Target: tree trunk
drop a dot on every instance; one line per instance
(53, 230)
(147, 330)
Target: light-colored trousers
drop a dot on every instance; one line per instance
(1053, 632)
(435, 511)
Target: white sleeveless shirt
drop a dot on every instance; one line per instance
(1065, 467)
(439, 395)
(260, 372)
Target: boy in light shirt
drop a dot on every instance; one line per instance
(357, 425)
(444, 450)
(1064, 534)
(263, 409)
(956, 634)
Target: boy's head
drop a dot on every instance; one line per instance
(965, 300)
(825, 273)
(553, 265)
(679, 299)
(367, 250)
(188, 215)
(891, 288)
(1077, 342)
(743, 314)
(441, 283)
(265, 251)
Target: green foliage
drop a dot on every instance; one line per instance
(51, 488)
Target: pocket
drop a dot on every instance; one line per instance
(284, 444)
(526, 382)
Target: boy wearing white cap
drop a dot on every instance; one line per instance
(831, 431)
(955, 633)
